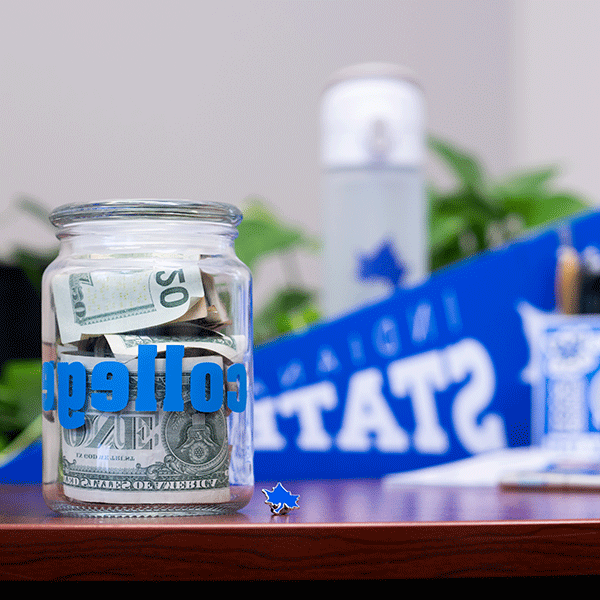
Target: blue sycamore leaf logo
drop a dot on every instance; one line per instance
(280, 500)
(383, 264)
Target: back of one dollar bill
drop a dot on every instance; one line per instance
(131, 457)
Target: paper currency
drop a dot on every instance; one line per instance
(216, 312)
(131, 457)
(105, 302)
(230, 347)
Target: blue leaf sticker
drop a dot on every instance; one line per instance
(280, 500)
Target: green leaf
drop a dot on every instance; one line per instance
(465, 166)
(20, 394)
(261, 234)
(288, 310)
(32, 264)
(30, 434)
(446, 255)
(35, 208)
(532, 183)
(545, 210)
(445, 230)
(469, 205)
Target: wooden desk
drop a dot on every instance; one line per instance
(343, 530)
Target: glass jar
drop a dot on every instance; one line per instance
(147, 351)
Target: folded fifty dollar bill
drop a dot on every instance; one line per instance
(106, 302)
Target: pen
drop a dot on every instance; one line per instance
(568, 278)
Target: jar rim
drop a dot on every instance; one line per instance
(147, 208)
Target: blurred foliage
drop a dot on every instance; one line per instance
(262, 235)
(33, 263)
(20, 400)
(21, 379)
(479, 214)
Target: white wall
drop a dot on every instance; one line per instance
(193, 99)
(556, 91)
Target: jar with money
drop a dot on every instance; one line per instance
(147, 361)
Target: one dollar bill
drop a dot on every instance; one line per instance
(131, 457)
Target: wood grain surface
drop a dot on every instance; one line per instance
(343, 530)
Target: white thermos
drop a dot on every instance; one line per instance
(374, 206)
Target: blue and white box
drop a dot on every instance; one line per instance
(566, 389)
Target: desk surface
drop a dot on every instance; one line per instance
(354, 529)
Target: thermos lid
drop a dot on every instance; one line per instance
(372, 114)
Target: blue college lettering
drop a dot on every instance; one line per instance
(110, 386)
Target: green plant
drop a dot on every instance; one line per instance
(20, 402)
(263, 235)
(33, 263)
(479, 214)
(20, 379)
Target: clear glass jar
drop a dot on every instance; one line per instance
(147, 350)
